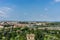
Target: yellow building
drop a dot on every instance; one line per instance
(30, 37)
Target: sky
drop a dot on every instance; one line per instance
(30, 10)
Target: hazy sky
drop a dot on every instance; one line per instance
(30, 10)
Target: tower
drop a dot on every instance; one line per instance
(30, 37)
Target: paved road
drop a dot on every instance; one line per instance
(50, 28)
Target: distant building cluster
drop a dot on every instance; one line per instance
(21, 24)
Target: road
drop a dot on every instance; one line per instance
(50, 28)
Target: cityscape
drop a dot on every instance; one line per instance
(29, 19)
(35, 30)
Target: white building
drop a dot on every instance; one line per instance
(1, 26)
